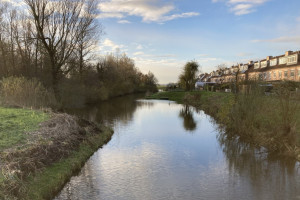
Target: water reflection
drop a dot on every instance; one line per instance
(186, 114)
(271, 177)
(119, 109)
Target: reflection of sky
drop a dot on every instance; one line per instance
(153, 157)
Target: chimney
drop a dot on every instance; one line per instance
(269, 57)
(250, 62)
(287, 53)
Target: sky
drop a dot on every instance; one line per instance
(162, 35)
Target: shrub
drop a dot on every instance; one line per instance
(23, 92)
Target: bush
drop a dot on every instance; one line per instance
(23, 92)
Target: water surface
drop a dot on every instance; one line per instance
(163, 150)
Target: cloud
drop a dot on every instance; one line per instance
(205, 58)
(202, 55)
(243, 54)
(284, 39)
(165, 69)
(242, 7)
(124, 22)
(148, 10)
(138, 53)
(15, 3)
(139, 47)
(208, 59)
(107, 46)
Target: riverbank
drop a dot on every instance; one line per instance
(41, 151)
(262, 121)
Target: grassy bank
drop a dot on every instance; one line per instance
(41, 151)
(15, 122)
(269, 121)
(46, 184)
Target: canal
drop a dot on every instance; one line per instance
(163, 150)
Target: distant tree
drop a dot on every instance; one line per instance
(187, 78)
(221, 67)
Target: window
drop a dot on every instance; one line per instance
(274, 75)
(282, 60)
(292, 59)
(273, 62)
(280, 74)
(265, 76)
(292, 73)
(285, 74)
(264, 64)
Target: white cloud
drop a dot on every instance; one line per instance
(138, 53)
(204, 58)
(108, 46)
(149, 10)
(284, 39)
(165, 69)
(202, 55)
(244, 54)
(139, 47)
(242, 7)
(15, 3)
(124, 22)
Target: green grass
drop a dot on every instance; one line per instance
(161, 87)
(14, 122)
(178, 96)
(49, 182)
(172, 95)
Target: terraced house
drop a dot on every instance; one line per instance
(271, 69)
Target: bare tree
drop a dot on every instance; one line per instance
(60, 26)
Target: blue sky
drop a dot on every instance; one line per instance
(161, 35)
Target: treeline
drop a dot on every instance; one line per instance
(47, 49)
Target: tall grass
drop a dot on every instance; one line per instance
(267, 120)
(23, 92)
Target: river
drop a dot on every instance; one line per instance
(163, 150)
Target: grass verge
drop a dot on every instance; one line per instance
(46, 184)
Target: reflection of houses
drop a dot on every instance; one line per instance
(283, 67)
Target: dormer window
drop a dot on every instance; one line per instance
(282, 61)
(273, 62)
(256, 65)
(263, 64)
(292, 59)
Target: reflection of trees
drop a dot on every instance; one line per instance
(120, 108)
(188, 119)
(270, 176)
